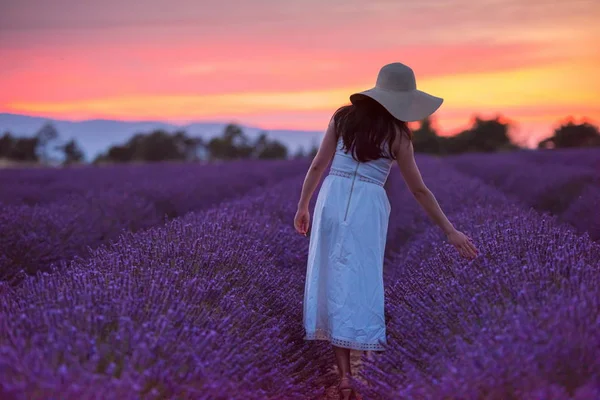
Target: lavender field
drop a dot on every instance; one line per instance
(186, 282)
(48, 217)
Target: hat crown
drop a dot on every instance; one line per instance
(396, 77)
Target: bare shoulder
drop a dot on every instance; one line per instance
(404, 152)
(402, 147)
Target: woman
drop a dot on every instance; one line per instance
(344, 294)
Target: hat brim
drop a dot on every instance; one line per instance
(409, 106)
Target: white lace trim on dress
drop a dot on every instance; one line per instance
(321, 334)
(345, 174)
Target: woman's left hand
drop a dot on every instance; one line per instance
(302, 221)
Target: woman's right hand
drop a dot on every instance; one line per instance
(463, 244)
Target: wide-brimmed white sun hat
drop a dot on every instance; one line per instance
(396, 90)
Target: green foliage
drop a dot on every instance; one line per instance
(426, 139)
(19, 149)
(570, 134)
(72, 151)
(45, 135)
(28, 149)
(159, 145)
(265, 149)
(233, 144)
(483, 136)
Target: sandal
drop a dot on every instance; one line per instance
(346, 392)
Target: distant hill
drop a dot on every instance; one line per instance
(97, 135)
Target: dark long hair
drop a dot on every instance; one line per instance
(365, 127)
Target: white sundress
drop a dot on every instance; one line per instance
(344, 294)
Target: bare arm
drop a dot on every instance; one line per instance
(404, 151)
(405, 158)
(318, 166)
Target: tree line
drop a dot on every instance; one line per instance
(36, 149)
(489, 135)
(492, 136)
(160, 145)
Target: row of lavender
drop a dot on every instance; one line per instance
(35, 186)
(567, 185)
(586, 157)
(81, 208)
(520, 321)
(209, 306)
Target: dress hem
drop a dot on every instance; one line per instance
(321, 334)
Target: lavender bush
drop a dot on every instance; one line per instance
(205, 307)
(454, 191)
(107, 201)
(583, 212)
(546, 186)
(588, 157)
(175, 187)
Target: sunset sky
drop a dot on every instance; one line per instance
(291, 63)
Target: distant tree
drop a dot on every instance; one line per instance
(426, 139)
(483, 136)
(6, 145)
(570, 134)
(490, 135)
(274, 150)
(72, 152)
(233, 144)
(157, 145)
(187, 146)
(120, 153)
(19, 149)
(45, 135)
(460, 143)
(235, 135)
(25, 149)
(261, 143)
(265, 149)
